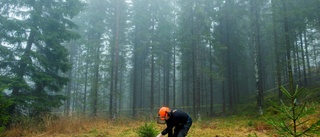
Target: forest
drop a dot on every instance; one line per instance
(119, 59)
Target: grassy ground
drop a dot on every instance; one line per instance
(233, 126)
(82, 127)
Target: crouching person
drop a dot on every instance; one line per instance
(177, 119)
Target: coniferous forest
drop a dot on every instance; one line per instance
(127, 58)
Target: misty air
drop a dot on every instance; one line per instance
(159, 68)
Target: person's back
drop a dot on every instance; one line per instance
(177, 118)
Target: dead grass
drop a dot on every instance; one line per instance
(230, 127)
(125, 127)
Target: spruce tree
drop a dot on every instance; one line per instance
(33, 34)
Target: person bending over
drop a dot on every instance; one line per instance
(177, 119)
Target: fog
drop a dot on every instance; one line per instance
(128, 57)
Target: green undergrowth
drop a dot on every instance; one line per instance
(147, 130)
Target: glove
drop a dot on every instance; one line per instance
(160, 135)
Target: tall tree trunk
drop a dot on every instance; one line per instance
(174, 73)
(305, 82)
(135, 80)
(288, 46)
(174, 4)
(68, 96)
(223, 94)
(152, 80)
(159, 86)
(141, 87)
(167, 78)
(69, 85)
(115, 69)
(211, 78)
(258, 44)
(165, 93)
(85, 85)
(195, 63)
(257, 53)
(307, 56)
(315, 54)
(20, 71)
(229, 53)
(112, 85)
(224, 74)
(95, 82)
(183, 88)
(152, 68)
(276, 48)
(116, 89)
(297, 61)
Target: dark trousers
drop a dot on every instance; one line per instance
(182, 131)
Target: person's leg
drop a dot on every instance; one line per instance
(184, 131)
(176, 130)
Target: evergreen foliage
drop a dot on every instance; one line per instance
(294, 116)
(147, 130)
(4, 114)
(204, 56)
(33, 57)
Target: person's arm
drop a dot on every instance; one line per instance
(168, 130)
(160, 135)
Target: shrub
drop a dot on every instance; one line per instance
(293, 120)
(147, 130)
(4, 115)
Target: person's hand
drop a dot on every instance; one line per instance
(160, 135)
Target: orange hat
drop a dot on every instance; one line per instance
(163, 112)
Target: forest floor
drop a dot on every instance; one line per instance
(232, 126)
(79, 127)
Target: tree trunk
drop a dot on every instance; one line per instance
(174, 79)
(288, 46)
(115, 69)
(224, 105)
(95, 82)
(295, 61)
(211, 79)
(257, 53)
(195, 62)
(20, 71)
(183, 88)
(174, 72)
(85, 85)
(276, 49)
(135, 80)
(69, 85)
(167, 79)
(152, 81)
(229, 54)
(307, 57)
(152, 69)
(304, 68)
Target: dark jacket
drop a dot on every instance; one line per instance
(177, 119)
